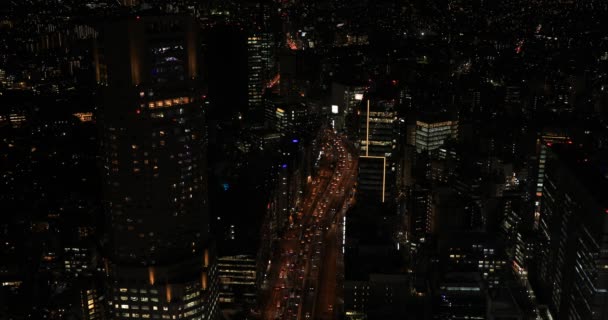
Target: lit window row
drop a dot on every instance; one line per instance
(166, 103)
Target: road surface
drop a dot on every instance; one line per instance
(303, 274)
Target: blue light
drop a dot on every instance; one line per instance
(226, 186)
(295, 140)
(284, 166)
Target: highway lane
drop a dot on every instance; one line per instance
(290, 245)
(328, 282)
(294, 242)
(303, 276)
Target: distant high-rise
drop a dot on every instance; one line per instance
(432, 131)
(419, 205)
(347, 97)
(290, 119)
(345, 100)
(255, 82)
(159, 261)
(546, 140)
(260, 63)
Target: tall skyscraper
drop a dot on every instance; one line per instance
(377, 148)
(260, 64)
(573, 252)
(545, 141)
(159, 261)
(261, 71)
(421, 221)
(255, 83)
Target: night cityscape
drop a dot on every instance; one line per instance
(304, 159)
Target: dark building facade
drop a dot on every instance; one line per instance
(159, 261)
(573, 252)
(377, 148)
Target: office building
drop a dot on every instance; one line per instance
(545, 141)
(237, 276)
(377, 150)
(345, 101)
(292, 119)
(255, 71)
(461, 295)
(420, 214)
(375, 282)
(347, 97)
(159, 261)
(91, 301)
(573, 252)
(257, 15)
(267, 56)
(77, 261)
(261, 66)
(474, 252)
(432, 131)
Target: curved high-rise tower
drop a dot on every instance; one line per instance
(159, 263)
